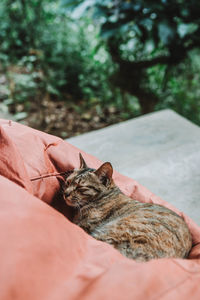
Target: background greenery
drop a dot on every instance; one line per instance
(121, 57)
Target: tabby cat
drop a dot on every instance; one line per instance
(141, 231)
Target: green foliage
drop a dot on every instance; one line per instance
(182, 91)
(52, 53)
(146, 39)
(178, 88)
(134, 55)
(19, 32)
(171, 25)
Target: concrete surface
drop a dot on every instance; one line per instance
(160, 150)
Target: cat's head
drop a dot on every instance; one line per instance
(85, 184)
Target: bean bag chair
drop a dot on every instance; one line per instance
(43, 255)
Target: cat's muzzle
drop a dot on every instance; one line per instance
(69, 200)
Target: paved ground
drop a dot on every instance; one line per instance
(160, 150)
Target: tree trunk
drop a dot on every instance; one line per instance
(131, 76)
(147, 100)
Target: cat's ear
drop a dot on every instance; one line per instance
(83, 164)
(105, 172)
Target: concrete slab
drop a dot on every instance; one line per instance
(160, 150)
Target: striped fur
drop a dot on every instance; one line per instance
(141, 231)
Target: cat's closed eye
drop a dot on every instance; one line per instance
(82, 189)
(85, 191)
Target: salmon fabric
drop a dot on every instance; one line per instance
(43, 255)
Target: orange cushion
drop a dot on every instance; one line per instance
(45, 256)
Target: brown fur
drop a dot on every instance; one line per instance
(141, 231)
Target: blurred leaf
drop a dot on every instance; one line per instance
(52, 90)
(20, 116)
(166, 33)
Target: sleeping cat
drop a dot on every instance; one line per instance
(141, 231)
